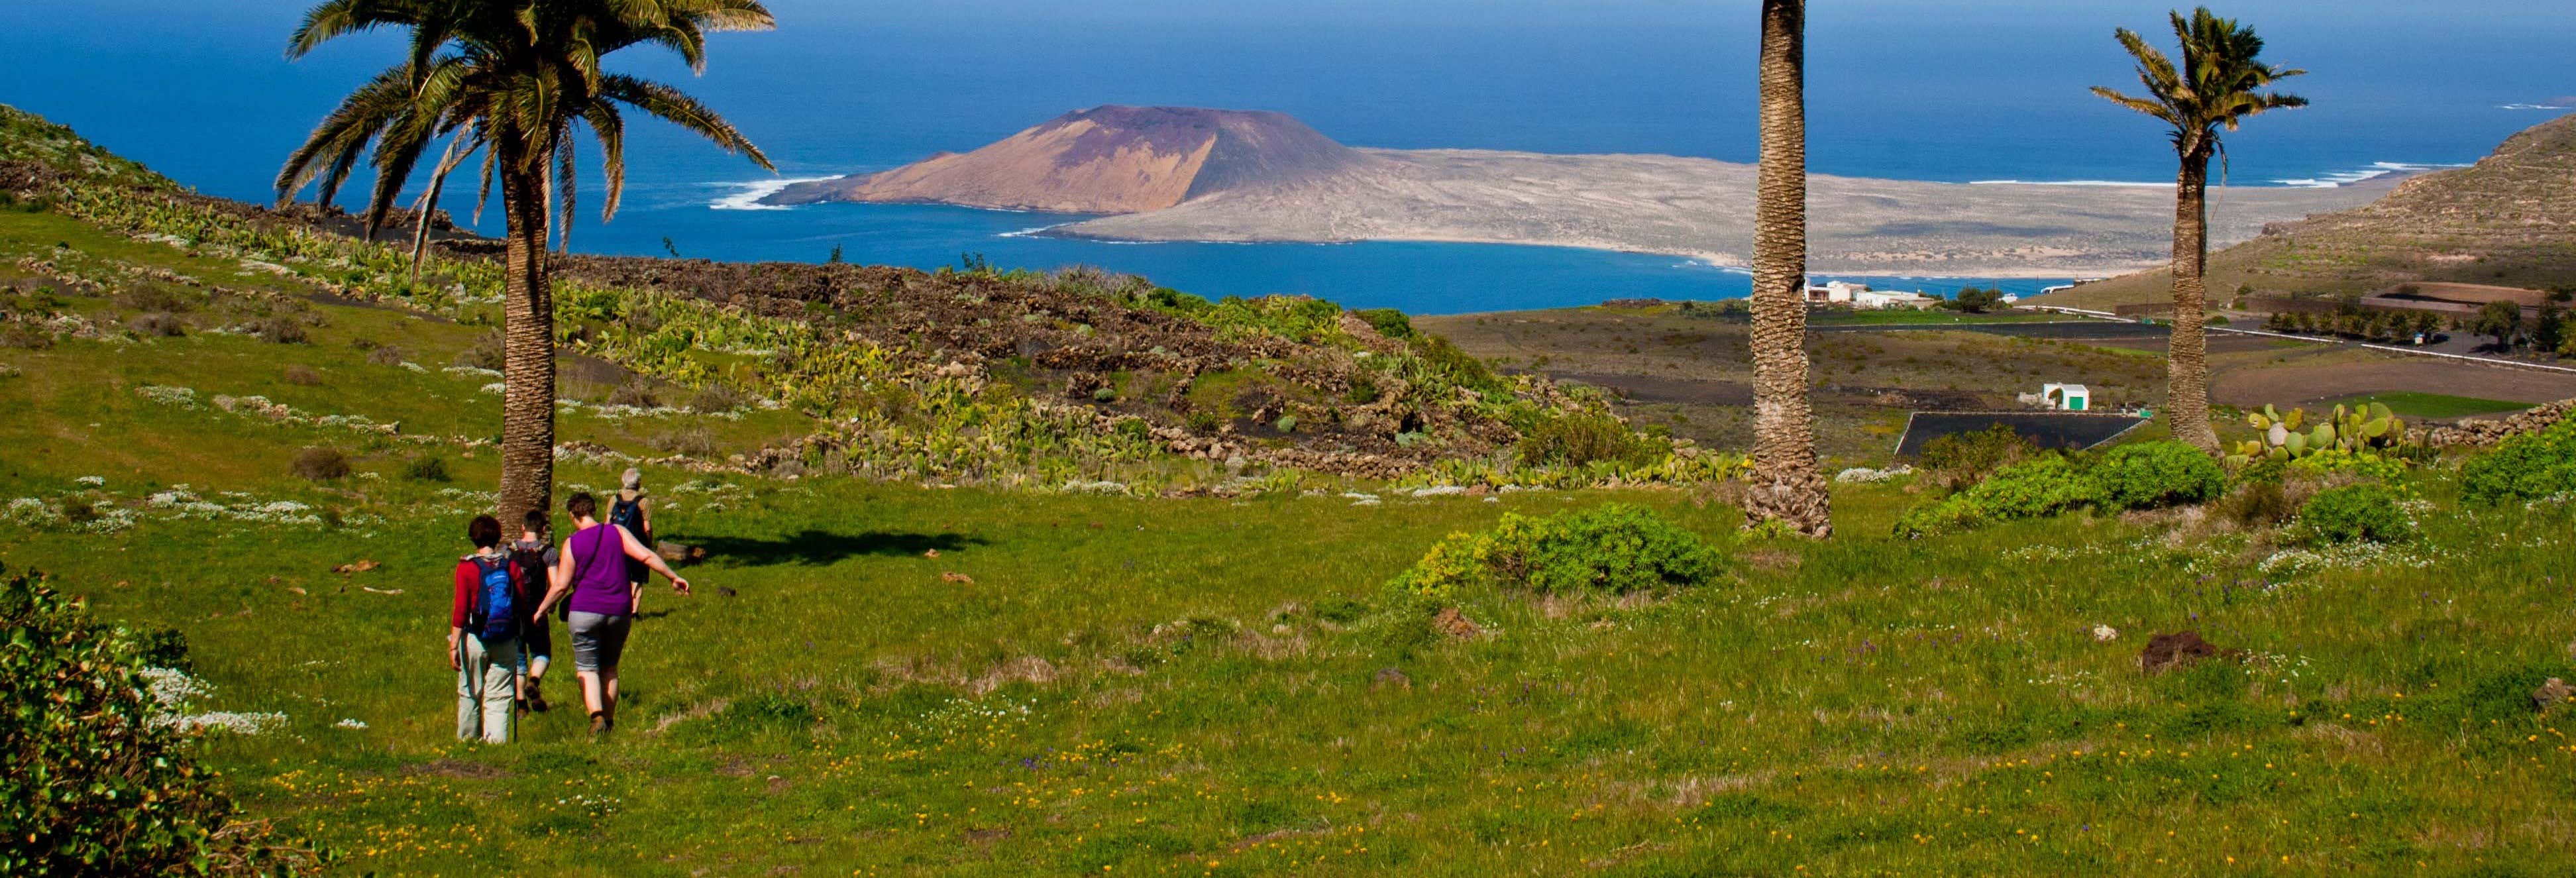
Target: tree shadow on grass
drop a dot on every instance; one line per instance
(815, 548)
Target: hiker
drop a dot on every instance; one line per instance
(634, 513)
(483, 628)
(533, 559)
(590, 578)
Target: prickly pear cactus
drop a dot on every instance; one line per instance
(2288, 436)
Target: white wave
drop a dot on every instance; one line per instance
(2066, 183)
(2375, 171)
(1031, 231)
(747, 196)
(2536, 107)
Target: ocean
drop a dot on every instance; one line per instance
(1985, 90)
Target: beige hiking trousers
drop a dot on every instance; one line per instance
(486, 687)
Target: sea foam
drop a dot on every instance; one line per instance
(747, 195)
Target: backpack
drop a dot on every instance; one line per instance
(495, 615)
(628, 514)
(533, 581)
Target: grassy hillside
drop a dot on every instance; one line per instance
(919, 647)
(2509, 220)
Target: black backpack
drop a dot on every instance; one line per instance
(496, 615)
(533, 581)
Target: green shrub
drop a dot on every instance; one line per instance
(1580, 440)
(1388, 322)
(716, 398)
(1458, 366)
(427, 468)
(95, 786)
(1614, 548)
(2256, 503)
(2147, 475)
(157, 324)
(279, 330)
(2153, 475)
(2036, 487)
(2531, 466)
(2355, 514)
(1961, 458)
(320, 464)
(1364, 390)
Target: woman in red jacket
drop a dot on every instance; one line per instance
(483, 626)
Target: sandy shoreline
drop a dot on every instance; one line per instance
(1070, 231)
(1701, 209)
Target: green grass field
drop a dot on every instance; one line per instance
(1203, 686)
(1192, 686)
(2430, 405)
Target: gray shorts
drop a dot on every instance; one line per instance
(598, 639)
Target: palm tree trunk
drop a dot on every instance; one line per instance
(2187, 365)
(527, 346)
(1786, 486)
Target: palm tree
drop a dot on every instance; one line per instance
(1786, 486)
(2218, 84)
(514, 80)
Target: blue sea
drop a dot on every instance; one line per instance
(1966, 90)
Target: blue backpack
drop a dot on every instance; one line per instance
(628, 514)
(495, 616)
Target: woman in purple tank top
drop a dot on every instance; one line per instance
(592, 572)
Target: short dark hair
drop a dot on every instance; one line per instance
(535, 521)
(484, 530)
(582, 505)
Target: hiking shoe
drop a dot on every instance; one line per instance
(598, 725)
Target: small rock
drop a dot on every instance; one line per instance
(1455, 624)
(2105, 634)
(2550, 695)
(930, 553)
(1390, 678)
(2165, 652)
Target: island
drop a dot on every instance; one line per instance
(1196, 174)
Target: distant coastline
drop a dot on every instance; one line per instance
(1180, 174)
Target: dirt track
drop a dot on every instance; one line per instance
(2308, 383)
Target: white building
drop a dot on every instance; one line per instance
(1869, 299)
(1862, 297)
(1834, 293)
(2066, 397)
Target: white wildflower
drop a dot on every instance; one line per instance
(178, 396)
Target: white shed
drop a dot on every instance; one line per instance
(2067, 397)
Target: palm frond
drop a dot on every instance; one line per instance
(608, 126)
(676, 107)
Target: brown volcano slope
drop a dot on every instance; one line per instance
(2509, 220)
(1110, 159)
